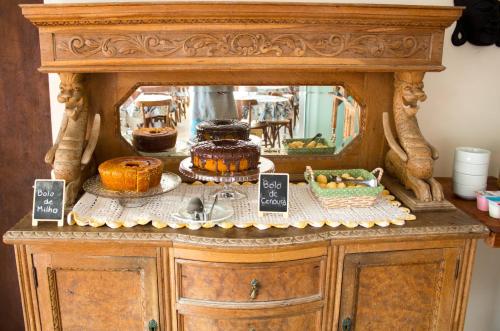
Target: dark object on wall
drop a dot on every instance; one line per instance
(479, 24)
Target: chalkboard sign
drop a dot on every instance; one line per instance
(48, 201)
(273, 194)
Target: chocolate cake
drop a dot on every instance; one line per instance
(222, 129)
(154, 139)
(221, 156)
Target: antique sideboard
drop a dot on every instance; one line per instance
(412, 277)
(415, 276)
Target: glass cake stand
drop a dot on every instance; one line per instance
(168, 182)
(226, 192)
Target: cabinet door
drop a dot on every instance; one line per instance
(78, 292)
(401, 290)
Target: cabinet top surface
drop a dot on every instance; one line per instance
(469, 207)
(427, 225)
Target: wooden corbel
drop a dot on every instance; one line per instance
(411, 157)
(72, 151)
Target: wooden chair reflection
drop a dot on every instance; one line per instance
(244, 109)
(273, 128)
(294, 102)
(181, 99)
(148, 106)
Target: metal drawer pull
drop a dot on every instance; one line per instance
(252, 329)
(153, 325)
(346, 324)
(255, 288)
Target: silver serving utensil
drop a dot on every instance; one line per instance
(367, 182)
(196, 208)
(318, 135)
(212, 208)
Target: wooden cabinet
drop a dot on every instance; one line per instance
(383, 278)
(410, 278)
(399, 290)
(96, 291)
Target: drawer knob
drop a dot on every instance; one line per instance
(252, 329)
(254, 283)
(347, 324)
(153, 325)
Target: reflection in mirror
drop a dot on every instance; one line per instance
(282, 119)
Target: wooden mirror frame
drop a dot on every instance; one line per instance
(117, 45)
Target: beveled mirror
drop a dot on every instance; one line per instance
(282, 119)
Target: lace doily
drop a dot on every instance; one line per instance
(304, 210)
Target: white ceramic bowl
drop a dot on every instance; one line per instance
(471, 169)
(471, 180)
(472, 155)
(467, 191)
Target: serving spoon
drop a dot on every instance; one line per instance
(196, 208)
(318, 135)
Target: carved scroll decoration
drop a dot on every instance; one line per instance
(243, 44)
(411, 157)
(54, 299)
(72, 151)
(438, 293)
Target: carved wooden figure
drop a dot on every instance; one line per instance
(411, 157)
(72, 151)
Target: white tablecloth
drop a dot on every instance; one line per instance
(304, 210)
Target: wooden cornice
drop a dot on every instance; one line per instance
(223, 12)
(239, 36)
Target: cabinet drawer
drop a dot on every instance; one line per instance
(251, 282)
(301, 322)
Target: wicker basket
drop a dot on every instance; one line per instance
(330, 150)
(348, 197)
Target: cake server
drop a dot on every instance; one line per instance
(212, 208)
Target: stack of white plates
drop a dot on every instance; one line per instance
(470, 171)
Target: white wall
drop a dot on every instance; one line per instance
(463, 108)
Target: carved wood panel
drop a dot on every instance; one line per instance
(113, 293)
(160, 44)
(399, 290)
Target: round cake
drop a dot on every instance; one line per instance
(222, 129)
(131, 173)
(154, 139)
(222, 156)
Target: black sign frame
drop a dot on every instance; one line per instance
(283, 213)
(59, 220)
